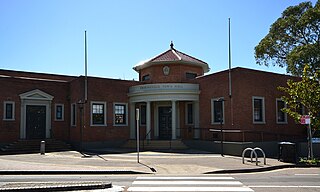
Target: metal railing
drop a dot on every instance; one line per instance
(239, 135)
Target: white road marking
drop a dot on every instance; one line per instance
(186, 183)
(284, 186)
(239, 189)
(185, 178)
(159, 184)
(306, 174)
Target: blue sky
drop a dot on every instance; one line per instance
(48, 35)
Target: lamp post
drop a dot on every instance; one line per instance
(221, 100)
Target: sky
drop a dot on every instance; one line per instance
(47, 36)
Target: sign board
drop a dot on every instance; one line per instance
(305, 119)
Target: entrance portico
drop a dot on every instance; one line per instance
(163, 99)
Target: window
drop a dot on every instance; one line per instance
(59, 112)
(146, 77)
(98, 113)
(120, 114)
(281, 116)
(73, 114)
(258, 110)
(8, 110)
(191, 75)
(143, 115)
(217, 107)
(189, 114)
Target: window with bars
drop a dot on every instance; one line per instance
(98, 113)
(120, 114)
(258, 110)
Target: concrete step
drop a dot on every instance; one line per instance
(33, 146)
(156, 144)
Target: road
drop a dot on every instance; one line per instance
(288, 180)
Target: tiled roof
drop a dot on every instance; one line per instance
(173, 55)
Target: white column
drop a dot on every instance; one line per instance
(196, 120)
(148, 119)
(173, 113)
(132, 121)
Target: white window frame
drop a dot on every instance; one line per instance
(104, 113)
(212, 111)
(55, 112)
(186, 113)
(263, 110)
(73, 112)
(5, 110)
(126, 115)
(285, 114)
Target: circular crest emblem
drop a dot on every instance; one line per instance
(166, 70)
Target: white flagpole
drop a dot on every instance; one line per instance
(85, 68)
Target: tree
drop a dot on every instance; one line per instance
(304, 93)
(293, 40)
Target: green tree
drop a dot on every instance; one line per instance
(293, 40)
(304, 93)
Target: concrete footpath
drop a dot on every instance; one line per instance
(110, 161)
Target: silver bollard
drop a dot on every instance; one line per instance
(43, 147)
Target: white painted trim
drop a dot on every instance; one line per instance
(5, 109)
(212, 111)
(36, 95)
(263, 110)
(126, 114)
(104, 113)
(38, 98)
(285, 114)
(164, 92)
(55, 112)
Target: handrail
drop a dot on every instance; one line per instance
(145, 138)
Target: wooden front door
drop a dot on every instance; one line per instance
(36, 122)
(165, 123)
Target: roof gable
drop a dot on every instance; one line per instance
(173, 56)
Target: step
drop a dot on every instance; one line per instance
(33, 146)
(156, 144)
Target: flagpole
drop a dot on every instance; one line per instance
(85, 68)
(230, 83)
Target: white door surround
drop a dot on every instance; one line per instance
(35, 97)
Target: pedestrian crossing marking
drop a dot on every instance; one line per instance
(187, 184)
(187, 189)
(186, 178)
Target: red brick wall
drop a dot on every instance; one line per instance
(101, 90)
(245, 84)
(12, 87)
(177, 73)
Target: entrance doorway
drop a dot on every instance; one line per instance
(35, 122)
(165, 123)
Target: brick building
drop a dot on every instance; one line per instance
(176, 100)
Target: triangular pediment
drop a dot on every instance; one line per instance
(36, 95)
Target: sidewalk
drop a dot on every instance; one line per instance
(186, 162)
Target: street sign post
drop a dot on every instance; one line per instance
(305, 120)
(138, 135)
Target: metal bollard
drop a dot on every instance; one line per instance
(43, 147)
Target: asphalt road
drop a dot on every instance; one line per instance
(288, 180)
